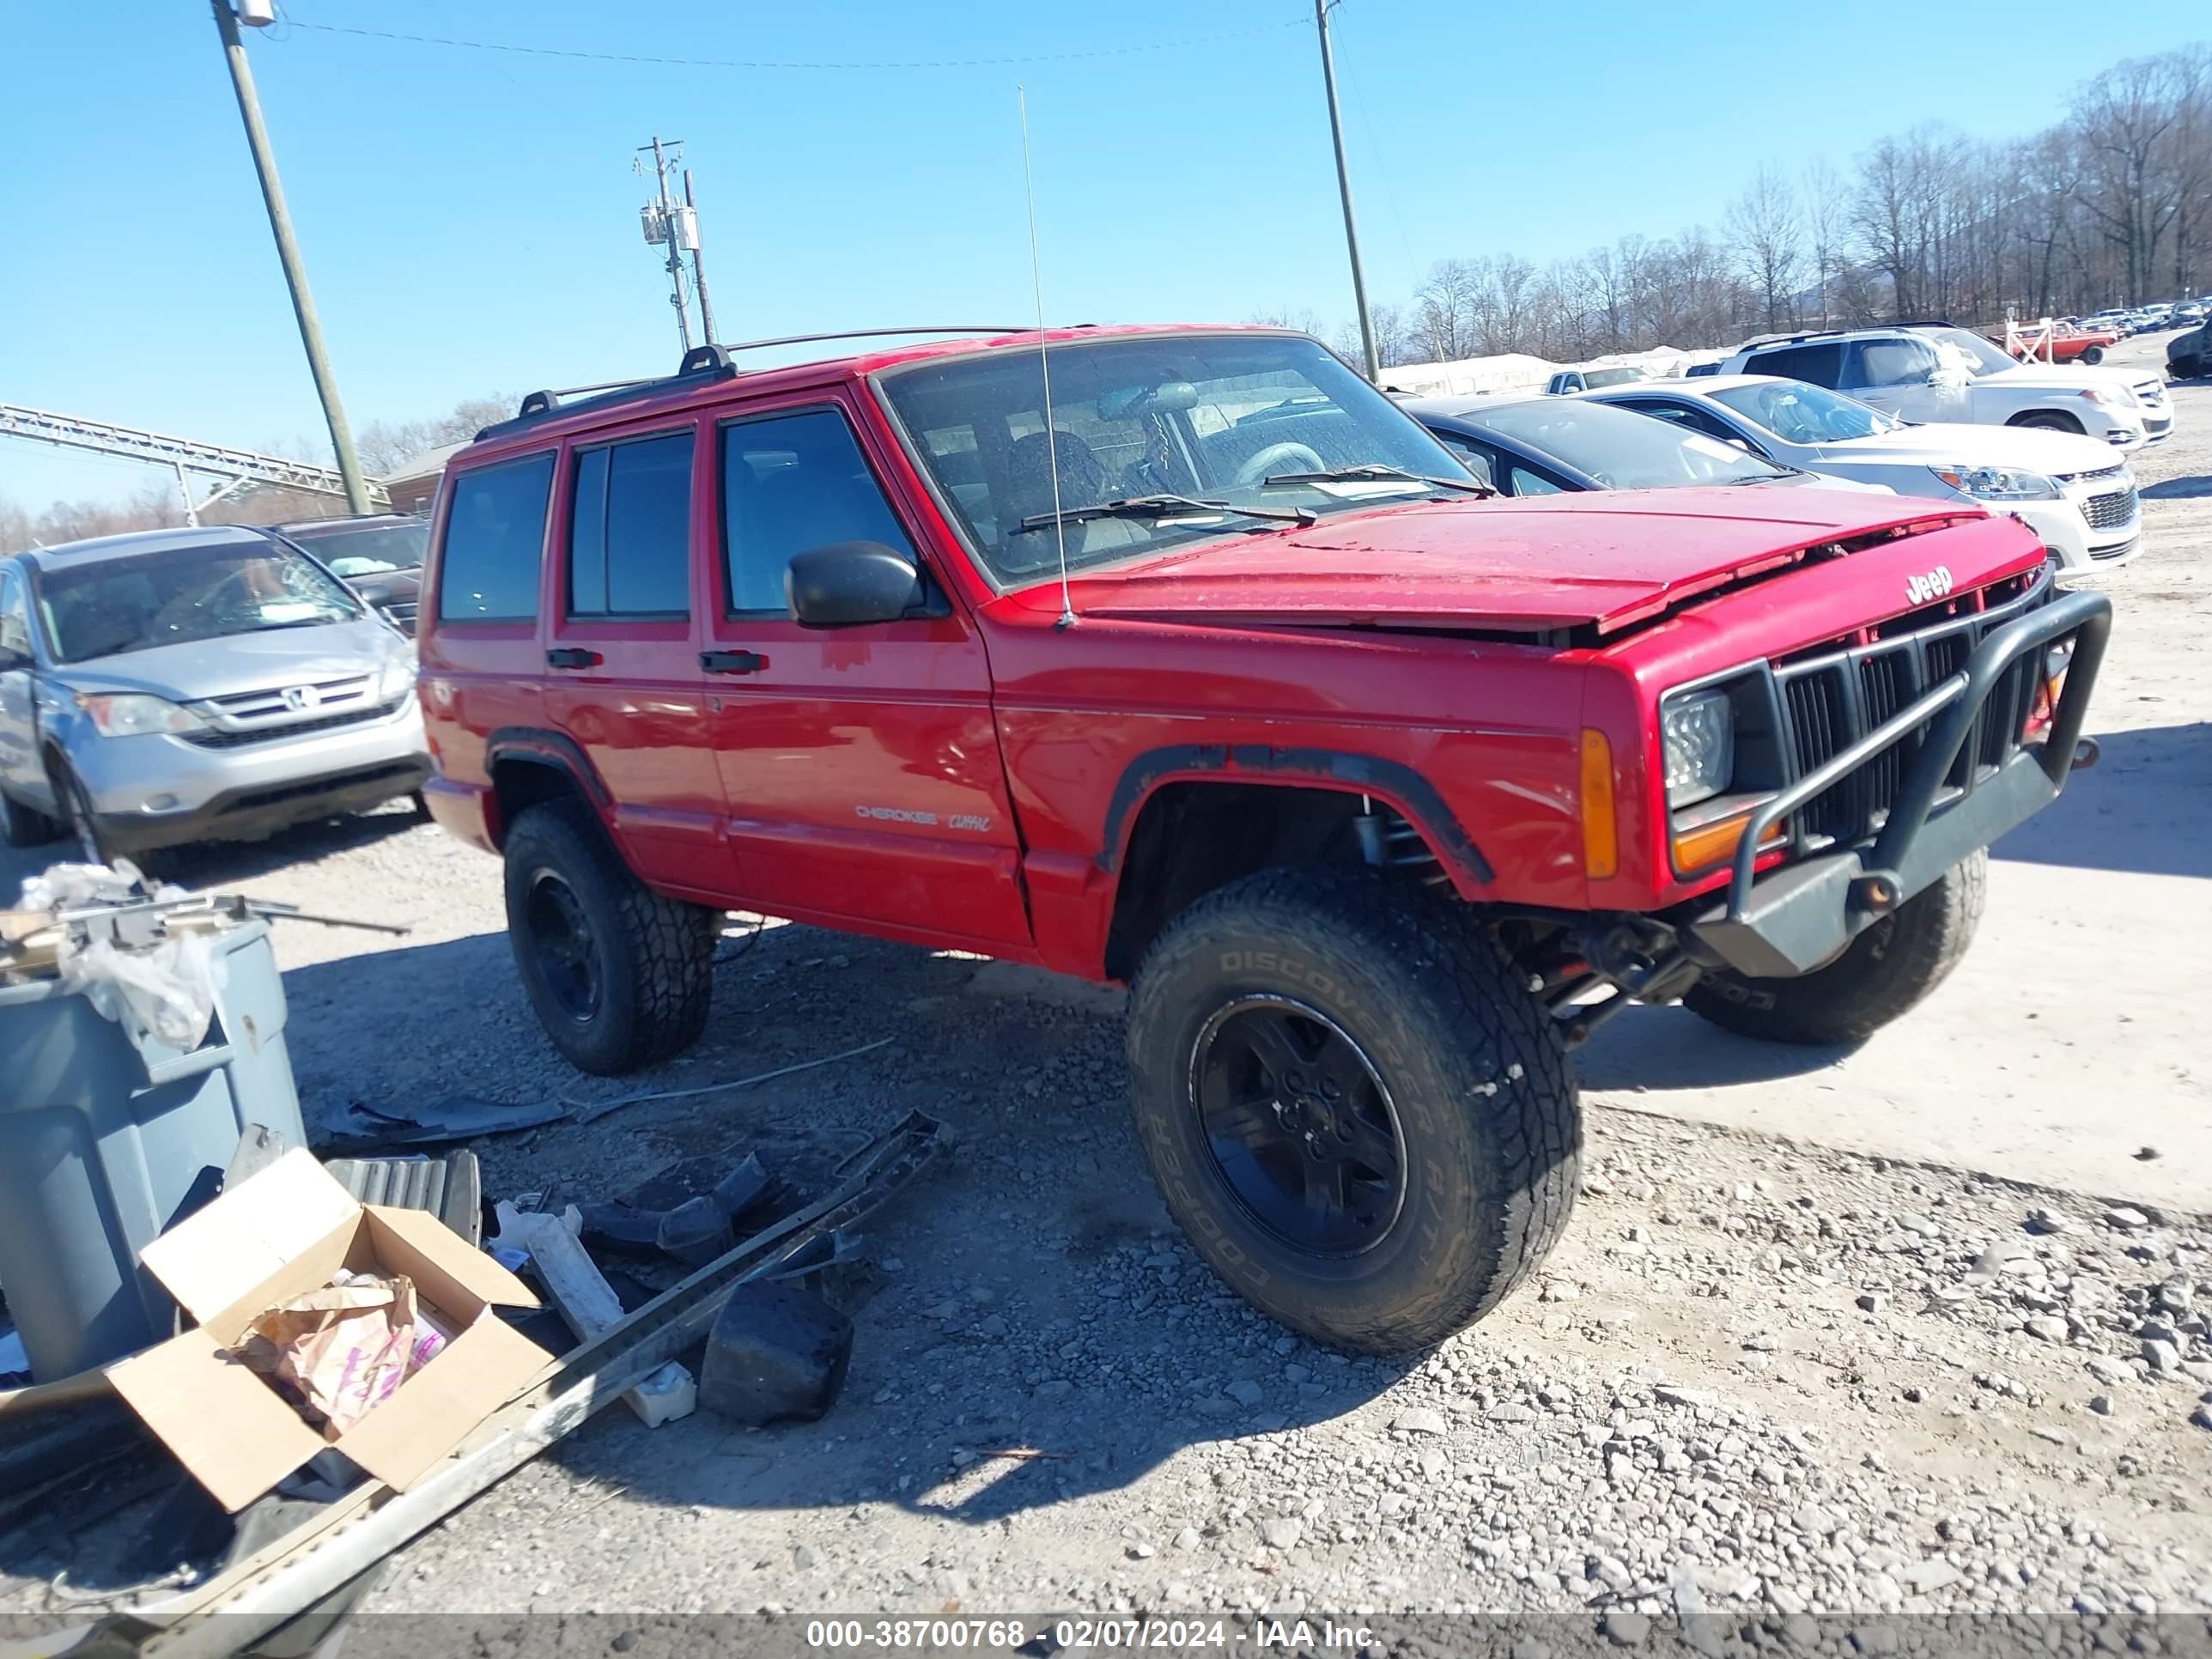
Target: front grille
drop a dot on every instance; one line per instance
(271, 702)
(1831, 697)
(2111, 511)
(277, 733)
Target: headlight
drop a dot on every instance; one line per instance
(1998, 483)
(131, 714)
(1697, 738)
(396, 678)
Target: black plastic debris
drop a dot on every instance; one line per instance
(776, 1354)
(689, 1211)
(358, 1129)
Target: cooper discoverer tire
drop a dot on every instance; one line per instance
(1882, 973)
(1337, 1015)
(619, 976)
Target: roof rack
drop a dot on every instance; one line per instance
(701, 365)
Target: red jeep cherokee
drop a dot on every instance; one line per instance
(1380, 794)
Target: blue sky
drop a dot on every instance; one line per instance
(469, 218)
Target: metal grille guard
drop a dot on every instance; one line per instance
(1801, 915)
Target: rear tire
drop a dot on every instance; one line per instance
(1883, 972)
(1422, 1079)
(619, 976)
(2093, 356)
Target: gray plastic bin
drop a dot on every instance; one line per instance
(103, 1144)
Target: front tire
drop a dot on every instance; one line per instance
(619, 976)
(2093, 356)
(1883, 972)
(1353, 1105)
(26, 826)
(2049, 420)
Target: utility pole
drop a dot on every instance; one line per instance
(699, 264)
(1344, 189)
(287, 250)
(668, 235)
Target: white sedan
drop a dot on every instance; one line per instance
(2070, 489)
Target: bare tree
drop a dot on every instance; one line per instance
(1769, 242)
(386, 446)
(1445, 310)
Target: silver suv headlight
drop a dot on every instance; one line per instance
(133, 714)
(1697, 738)
(396, 678)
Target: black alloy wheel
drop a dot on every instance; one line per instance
(566, 952)
(1300, 1125)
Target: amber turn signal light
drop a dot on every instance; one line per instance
(1600, 832)
(1709, 843)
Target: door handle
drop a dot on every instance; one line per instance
(732, 662)
(571, 656)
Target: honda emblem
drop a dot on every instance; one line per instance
(299, 697)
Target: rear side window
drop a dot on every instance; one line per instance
(629, 529)
(1822, 365)
(1896, 362)
(790, 483)
(495, 539)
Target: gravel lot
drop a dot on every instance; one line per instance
(1913, 1328)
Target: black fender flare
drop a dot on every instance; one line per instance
(533, 746)
(1341, 769)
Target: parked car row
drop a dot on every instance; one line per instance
(1943, 374)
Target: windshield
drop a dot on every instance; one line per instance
(1617, 449)
(1211, 417)
(364, 550)
(1801, 413)
(1981, 356)
(1594, 378)
(105, 607)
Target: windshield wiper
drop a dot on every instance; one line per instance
(1160, 506)
(1382, 474)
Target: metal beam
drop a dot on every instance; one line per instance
(240, 466)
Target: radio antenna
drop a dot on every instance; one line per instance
(1044, 366)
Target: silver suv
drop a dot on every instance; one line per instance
(186, 686)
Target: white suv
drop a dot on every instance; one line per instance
(1940, 373)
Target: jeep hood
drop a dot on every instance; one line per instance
(1603, 559)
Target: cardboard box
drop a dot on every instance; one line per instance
(285, 1231)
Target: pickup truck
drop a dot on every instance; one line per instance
(1181, 658)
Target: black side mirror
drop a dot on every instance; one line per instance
(849, 583)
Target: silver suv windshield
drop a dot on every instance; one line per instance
(1801, 413)
(105, 607)
(1229, 419)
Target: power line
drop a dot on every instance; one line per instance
(1070, 56)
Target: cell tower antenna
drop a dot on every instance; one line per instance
(1044, 366)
